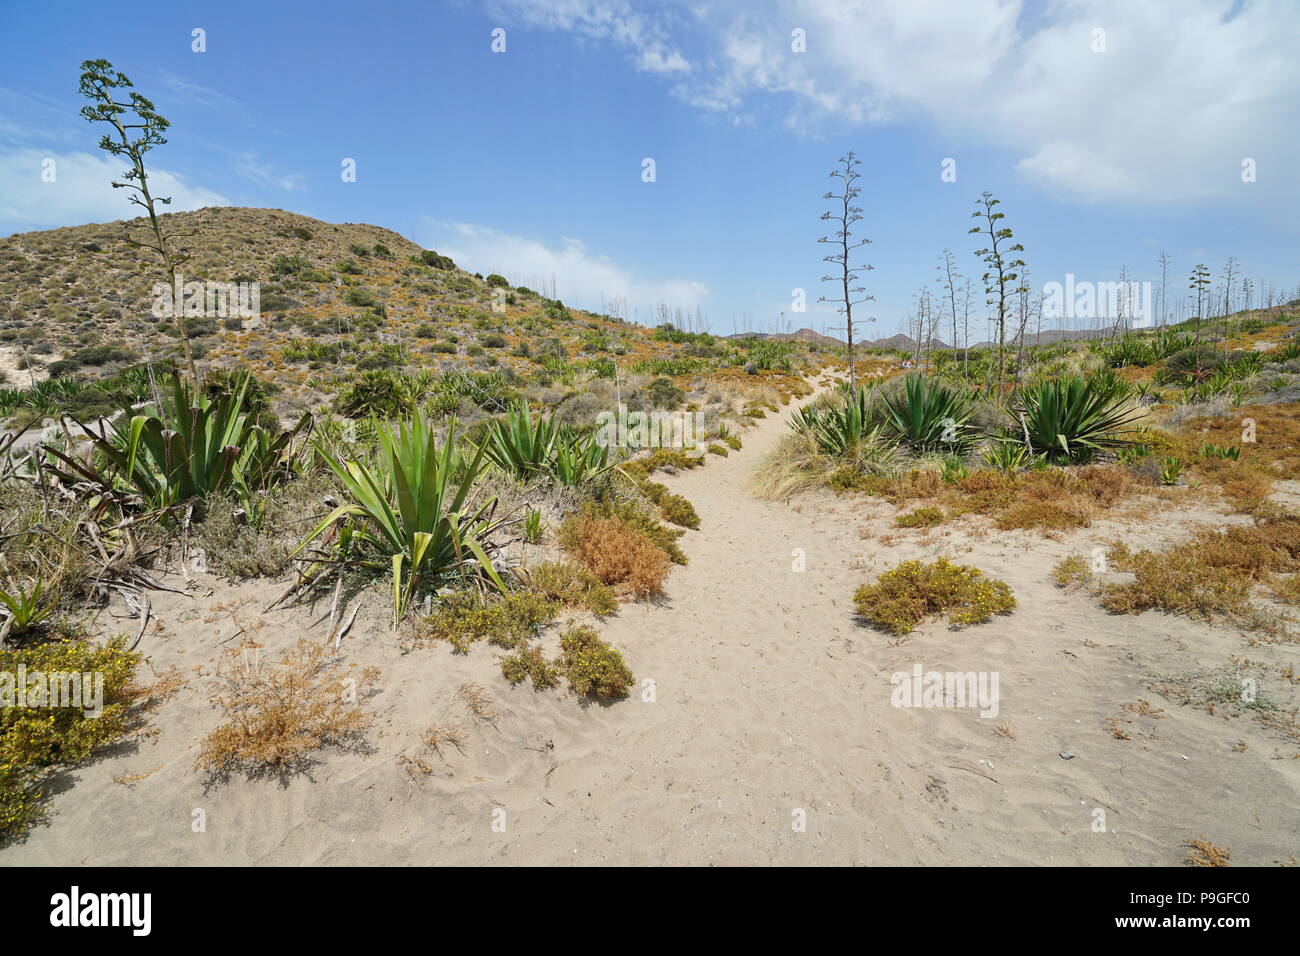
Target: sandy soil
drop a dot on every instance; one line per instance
(771, 705)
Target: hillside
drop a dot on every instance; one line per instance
(343, 297)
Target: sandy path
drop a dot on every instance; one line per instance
(770, 709)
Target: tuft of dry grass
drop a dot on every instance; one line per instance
(277, 716)
(452, 735)
(1201, 852)
(478, 701)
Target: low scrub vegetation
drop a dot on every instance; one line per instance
(904, 597)
(1214, 574)
(38, 737)
(277, 714)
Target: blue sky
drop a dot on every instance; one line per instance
(529, 161)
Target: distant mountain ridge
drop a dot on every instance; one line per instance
(906, 343)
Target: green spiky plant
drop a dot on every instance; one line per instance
(1070, 419)
(520, 444)
(529, 448)
(411, 511)
(1008, 454)
(928, 414)
(191, 447)
(24, 609)
(840, 425)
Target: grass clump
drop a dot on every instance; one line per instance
(1072, 572)
(592, 667)
(468, 616)
(277, 716)
(921, 518)
(574, 586)
(902, 598)
(36, 739)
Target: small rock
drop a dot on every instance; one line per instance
(1067, 754)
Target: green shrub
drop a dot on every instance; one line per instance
(673, 508)
(506, 620)
(574, 586)
(902, 598)
(528, 663)
(662, 393)
(377, 392)
(920, 518)
(35, 740)
(431, 258)
(592, 667)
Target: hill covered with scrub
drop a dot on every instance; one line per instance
(335, 300)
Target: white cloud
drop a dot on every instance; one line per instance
(580, 278)
(81, 191)
(253, 168)
(645, 35)
(1179, 97)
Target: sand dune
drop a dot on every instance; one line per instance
(771, 705)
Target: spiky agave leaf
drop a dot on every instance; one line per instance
(928, 414)
(410, 507)
(1069, 418)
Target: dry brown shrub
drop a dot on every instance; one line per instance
(1106, 483)
(616, 554)
(277, 716)
(1211, 574)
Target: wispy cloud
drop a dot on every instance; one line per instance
(644, 34)
(580, 277)
(188, 94)
(81, 190)
(253, 168)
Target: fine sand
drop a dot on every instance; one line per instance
(768, 736)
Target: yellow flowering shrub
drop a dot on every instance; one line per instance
(593, 667)
(902, 598)
(36, 739)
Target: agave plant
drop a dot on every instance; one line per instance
(24, 608)
(1069, 419)
(928, 414)
(578, 459)
(953, 469)
(1008, 454)
(1171, 469)
(521, 445)
(192, 447)
(839, 426)
(529, 448)
(410, 511)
